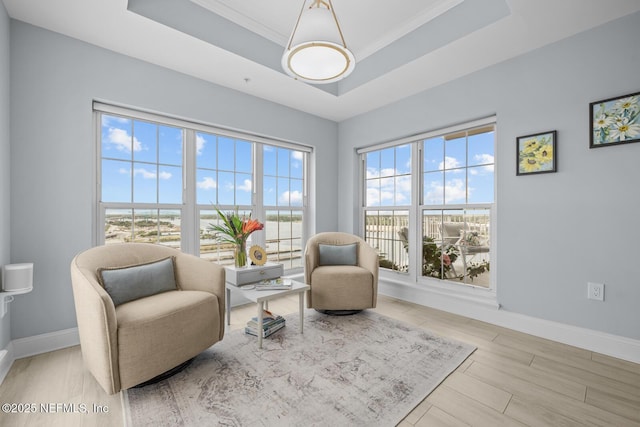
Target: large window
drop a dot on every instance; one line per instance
(224, 179)
(446, 229)
(141, 181)
(284, 199)
(160, 180)
(387, 198)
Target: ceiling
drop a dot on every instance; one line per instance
(402, 47)
(366, 30)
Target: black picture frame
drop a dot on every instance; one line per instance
(536, 153)
(614, 121)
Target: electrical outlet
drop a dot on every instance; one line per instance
(595, 291)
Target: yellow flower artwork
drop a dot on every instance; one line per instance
(536, 153)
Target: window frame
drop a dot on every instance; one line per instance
(417, 208)
(189, 208)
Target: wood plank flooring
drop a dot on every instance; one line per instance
(512, 379)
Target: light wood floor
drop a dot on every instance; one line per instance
(511, 379)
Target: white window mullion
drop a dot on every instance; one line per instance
(190, 232)
(257, 207)
(415, 241)
(362, 194)
(309, 203)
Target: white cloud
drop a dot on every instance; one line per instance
(477, 170)
(148, 174)
(386, 195)
(246, 186)
(403, 184)
(372, 173)
(121, 139)
(449, 163)
(386, 172)
(373, 197)
(483, 159)
(400, 198)
(108, 120)
(453, 192)
(200, 143)
(392, 190)
(207, 183)
(291, 197)
(296, 155)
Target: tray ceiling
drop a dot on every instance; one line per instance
(402, 48)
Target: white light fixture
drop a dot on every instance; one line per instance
(317, 52)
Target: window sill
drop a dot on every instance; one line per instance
(401, 284)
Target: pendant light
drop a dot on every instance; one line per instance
(317, 52)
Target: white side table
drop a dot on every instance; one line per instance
(263, 297)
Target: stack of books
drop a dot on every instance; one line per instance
(273, 284)
(270, 324)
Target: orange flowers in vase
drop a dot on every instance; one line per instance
(236, 230)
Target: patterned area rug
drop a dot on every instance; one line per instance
(365, 369)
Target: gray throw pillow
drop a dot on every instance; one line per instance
(138, 281)
(338, 254)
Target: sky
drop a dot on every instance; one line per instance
(142, 163)
(455, 171)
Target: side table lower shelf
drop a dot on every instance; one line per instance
(262, 298)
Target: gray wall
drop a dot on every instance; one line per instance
(4, 157)
(54, 79)
(555, 231)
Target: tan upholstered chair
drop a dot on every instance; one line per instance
(133, 342)
(341, 287)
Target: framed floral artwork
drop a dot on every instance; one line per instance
(536, 153)
(614, 121)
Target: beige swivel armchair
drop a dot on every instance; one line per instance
(130, 343)
(350, 286)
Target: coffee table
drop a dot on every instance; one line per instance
(262, 299)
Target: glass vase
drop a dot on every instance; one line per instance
(240, 254)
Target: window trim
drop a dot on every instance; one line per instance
(416, 209)
(197, 126)
(430, 134)
(190, 209)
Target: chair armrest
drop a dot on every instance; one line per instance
(311, 259)
(197, 274)
(97, 327)
(368, 259)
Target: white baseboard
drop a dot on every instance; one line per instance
(6, 360)
(37, 344)
(599, 342)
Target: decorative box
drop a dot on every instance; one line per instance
(253, 273)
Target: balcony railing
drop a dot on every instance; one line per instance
(461, 255)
